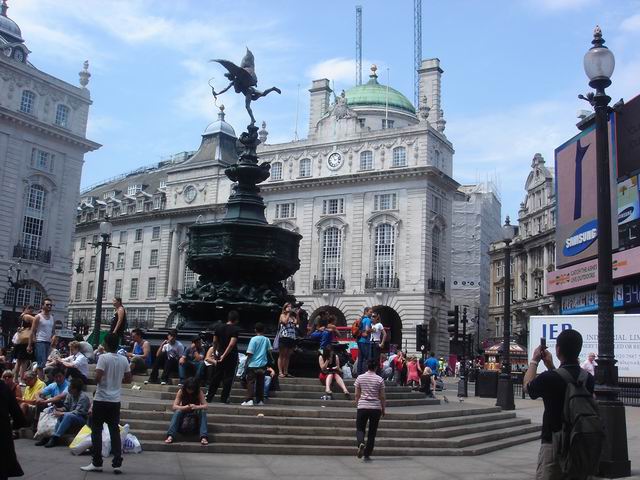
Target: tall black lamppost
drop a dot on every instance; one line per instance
(599, 63)
(505, 385)
(16, 284)
(105, 234)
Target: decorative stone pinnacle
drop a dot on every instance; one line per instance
(84, 74)
(3, 8)
(597, 41)
(374, 69)
(221, 113)
(507, 221)
(263, 133)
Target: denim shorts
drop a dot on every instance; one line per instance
(42, 353)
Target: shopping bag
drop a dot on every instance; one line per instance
(82, 442)
(46, 424)
(106, 438)
(131, 444)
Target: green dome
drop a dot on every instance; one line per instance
(373, 94)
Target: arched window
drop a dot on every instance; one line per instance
(366, 160)
(305, 168)
(384, 255)
(30, 294)
(276, 171)
(436, 159)
(62, 116)
(331, 269)
(33, 220)
(436, 239)
(27, 102)
(399, 157)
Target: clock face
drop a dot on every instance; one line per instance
(18, 55)
(190, 193)
(334, 161)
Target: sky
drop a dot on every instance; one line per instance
(512, 69)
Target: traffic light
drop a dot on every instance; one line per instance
(422, 340)
(453, 320)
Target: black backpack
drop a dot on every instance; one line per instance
(578, 444)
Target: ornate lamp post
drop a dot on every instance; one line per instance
(599, 64)
(16, 284)
(505, 386)
(105, 234)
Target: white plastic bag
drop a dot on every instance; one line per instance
(82, 441)
(346, 372)
(46, 424)
(106, 438)
(131, 444)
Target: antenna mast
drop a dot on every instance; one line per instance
(417, 49)
(358, 44)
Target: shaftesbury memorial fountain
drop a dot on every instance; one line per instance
(242, 260)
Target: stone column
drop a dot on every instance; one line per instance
(174, 266)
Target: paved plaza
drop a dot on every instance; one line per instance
(512, 463)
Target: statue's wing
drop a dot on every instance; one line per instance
(230, 66)
(243, 76)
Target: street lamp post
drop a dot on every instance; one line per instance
(599, 64)
(16, 285)
(105, 234)
(505, 385)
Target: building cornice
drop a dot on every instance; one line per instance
(25, 120)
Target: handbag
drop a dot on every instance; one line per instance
(23, 336)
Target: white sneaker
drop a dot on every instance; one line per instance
(163, 383)
(91, 468)
(248, 403)
(260, 404)
(146, 382)
(117, 470)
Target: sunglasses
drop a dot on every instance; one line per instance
(48, 304)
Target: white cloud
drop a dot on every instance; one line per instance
(560, 5)
(631, 24)
(336, 69)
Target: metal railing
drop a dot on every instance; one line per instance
(381, 283)
(30, 253)
(629, 391)
(437, 285)
(333, 284)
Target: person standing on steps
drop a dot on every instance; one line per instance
(364, 341)
(378, 338)
(258, 355)
(119, 320)
(42, 333)
(370, 401)
(288, 324)
(223, 356)
(112, 371)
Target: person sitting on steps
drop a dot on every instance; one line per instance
(193, 357)
(140, 355)
(189, 402)
(167, 357)
(330, 372)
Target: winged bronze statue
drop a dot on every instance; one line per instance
(243, 80)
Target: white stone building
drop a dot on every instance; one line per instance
(369, 189)
(532, 256)
(476, 225)
(43, 122)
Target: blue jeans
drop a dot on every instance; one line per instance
(41, 352)
(267, 384)
(176, 421)
(364, 354)
(67, 421)
(198, 366)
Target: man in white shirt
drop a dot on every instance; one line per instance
(77, 364)
(112, 371)
(590, 364)
(378, 339)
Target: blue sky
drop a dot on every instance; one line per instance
(512, 69)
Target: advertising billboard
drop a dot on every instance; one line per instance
(576, 198)
(629, 212)
(627, 338)
(587, 302)
(628, 138)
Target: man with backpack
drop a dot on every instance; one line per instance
(572, 431)
(364, 341)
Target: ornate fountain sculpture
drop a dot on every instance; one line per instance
(241, 260)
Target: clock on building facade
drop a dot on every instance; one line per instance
(335, 161)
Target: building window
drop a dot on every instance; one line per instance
(104, 290)
(386, 123)
(92, 263)
(331, 270)
(157, 202)
(153, 258)
(163, 184)
(27, 102)
(436, 159)
(155, 233)
(62, 116)
(333, 206)
(499, 297)
(366, 160)
(362, 122)
(81, 264)
(190, 279)
(42, 160)
(537, 287)
(305, 168)
(499, 269)
(120, 264)
(285, 210)
(399, 157)
(384, 255)
(151, 288)
(436, 204)
(436, 242)
(523, 287)
(90, 290)
(385, 201)
(83, 243)
(123, 236)
(538, 257)
(106, 261)
(133, 291)
(94, 240)
(276, 171)
(140, 204)
(33, 219)
(118, 289)
(78, 295)
(138, 235)
(133, 189)
(136, 259)
(109, 195)
(30, 294)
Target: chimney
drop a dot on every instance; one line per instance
(318, 102)
(430, 87)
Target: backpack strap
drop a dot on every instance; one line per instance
(565, 375)
(582, 377)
